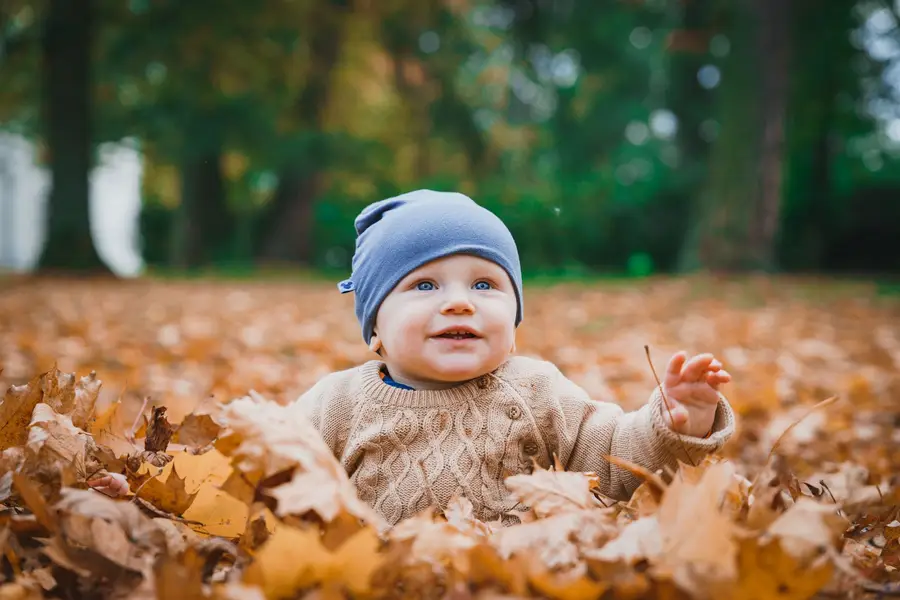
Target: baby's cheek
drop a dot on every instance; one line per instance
(408, 342)
(502, 337)
(411, 335)
(402, 348)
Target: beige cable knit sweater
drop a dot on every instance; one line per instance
(402, 448)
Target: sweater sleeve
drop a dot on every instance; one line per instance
(581, 431)
(328, 405)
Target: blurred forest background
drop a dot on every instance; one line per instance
(627, 136)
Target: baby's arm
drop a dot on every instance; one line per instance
(328, 406)
(589, 429)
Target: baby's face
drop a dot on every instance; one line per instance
(448, 321)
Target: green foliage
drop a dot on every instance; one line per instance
(555, 115)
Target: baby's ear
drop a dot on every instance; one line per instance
(375, 344)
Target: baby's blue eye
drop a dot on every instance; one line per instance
(482, 285)
(424, 286)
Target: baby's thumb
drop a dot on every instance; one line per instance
(678, 418)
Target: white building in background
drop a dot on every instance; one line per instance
(115, 203)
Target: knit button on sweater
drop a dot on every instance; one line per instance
(407, 449)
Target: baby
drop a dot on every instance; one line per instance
(448, 409)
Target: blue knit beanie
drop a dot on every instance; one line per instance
(400, 234)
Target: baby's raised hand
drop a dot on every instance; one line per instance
(691, 388)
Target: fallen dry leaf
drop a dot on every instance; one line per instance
(11, 460)
(689, 538)
(768, 571)
(652, 482)
(434, 541)
(217, 512)
(265, 439)
(159, 431)
(808, 529)
(35, 501)
(99, 535)
(561, 541)
(58, 391)
(179, 537)
(87, 389)
(110, 429)
(180, 576)
(168, 492)
(15, 412)
(549, 492)
(698, 544)
(461, 514)
(821, 517)
(20, 591)
(55, 389)
(316, 491)
(638, 541)
(199, 428)
(188, 485)
(59, 439)
(574, 585)
(281, 571)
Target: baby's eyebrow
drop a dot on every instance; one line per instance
(412, 278)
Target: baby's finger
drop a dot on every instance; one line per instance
(676, 417)
(696, 367)
(722, 376)
(718, 378)
(715, 365)
(673, 370)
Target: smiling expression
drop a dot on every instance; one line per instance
(447, 322)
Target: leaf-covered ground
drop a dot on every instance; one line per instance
(234, 496)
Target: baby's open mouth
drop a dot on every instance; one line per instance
(457, 335)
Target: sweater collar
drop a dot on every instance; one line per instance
(378, 391)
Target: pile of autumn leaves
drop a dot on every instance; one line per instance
(244, 500)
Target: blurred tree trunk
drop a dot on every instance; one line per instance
(690, 102)
(823, 69)
(66, 42)
(287, 224)
(410, 83)
(773, 18)
(426, 81)
(737, 215)
(201, 224)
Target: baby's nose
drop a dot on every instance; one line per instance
(457, 302)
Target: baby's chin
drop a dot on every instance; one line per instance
(457, 369)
